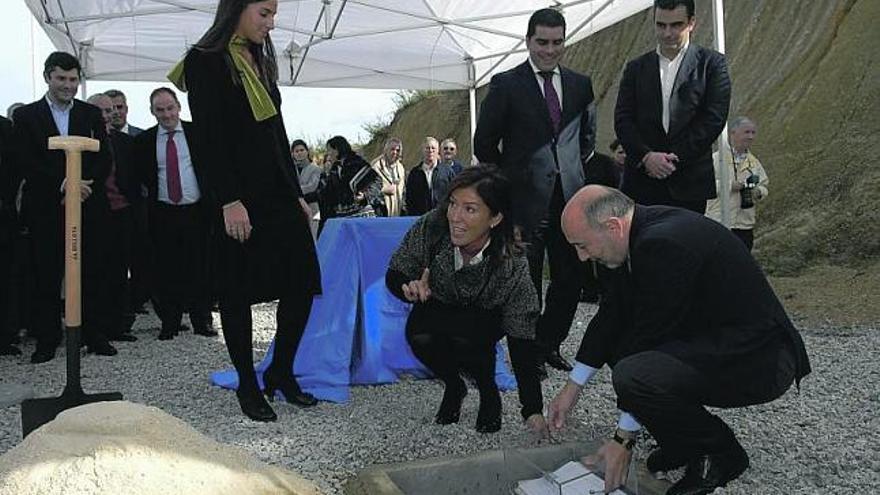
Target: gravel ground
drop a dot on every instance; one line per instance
(823, 439)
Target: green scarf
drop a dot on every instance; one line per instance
(258, 98)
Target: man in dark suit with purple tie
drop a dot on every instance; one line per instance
(672, 105)
(178, 218)
(540, 114)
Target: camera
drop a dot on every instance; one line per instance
(746, 195)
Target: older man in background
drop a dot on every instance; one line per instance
(746, 181)
(448, 153)
(120, 118)
(122, 192)
(428, 183)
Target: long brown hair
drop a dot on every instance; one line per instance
(494, 189)
(216, 39)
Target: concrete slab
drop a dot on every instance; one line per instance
(486, 473)
(13, 393)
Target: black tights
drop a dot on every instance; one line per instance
(450, 339)
(291, 317)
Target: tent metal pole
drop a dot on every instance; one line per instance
(472, 103)
(723, 168)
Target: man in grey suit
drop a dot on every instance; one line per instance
(540, 114)
(672, 105)
(120, 121)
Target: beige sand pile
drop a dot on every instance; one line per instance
(122, 448)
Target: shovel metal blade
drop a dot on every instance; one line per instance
(37, 412)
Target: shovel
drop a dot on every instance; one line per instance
(37, 412)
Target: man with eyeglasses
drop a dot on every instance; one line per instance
(448, 152)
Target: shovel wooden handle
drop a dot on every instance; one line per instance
(73, 147)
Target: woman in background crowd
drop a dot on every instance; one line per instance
(392, 172)
(353, 188)
(309, 180)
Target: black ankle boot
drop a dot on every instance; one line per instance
(254, 406)
(450, 406)
(289, 388)
(489, 415)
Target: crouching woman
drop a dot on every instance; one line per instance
(469, 284)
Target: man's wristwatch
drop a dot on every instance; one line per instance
(626, 440)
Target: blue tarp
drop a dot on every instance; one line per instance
(355, 333)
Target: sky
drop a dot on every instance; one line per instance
(309, 113)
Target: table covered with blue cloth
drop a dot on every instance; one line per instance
(355, 333)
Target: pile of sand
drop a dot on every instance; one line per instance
(123, 448)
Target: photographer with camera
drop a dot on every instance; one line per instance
(747, 181)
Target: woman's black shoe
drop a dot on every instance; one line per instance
(289, 388)
(489, 415)
(254, 406)
(450, 406)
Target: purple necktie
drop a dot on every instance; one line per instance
(552, 100)
(172, 170)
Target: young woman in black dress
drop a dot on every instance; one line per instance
(264, 249)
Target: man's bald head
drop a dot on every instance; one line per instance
(596, 222)
(108, 111)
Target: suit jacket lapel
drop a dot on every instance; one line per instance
(530, 83)
(568, 92)
(78, 124)
(688, 63)
(652, 77)
(49, 127)
(153, 173)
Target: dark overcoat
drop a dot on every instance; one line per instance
(690, 289)
(249, 161)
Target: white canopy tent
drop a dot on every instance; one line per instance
(392, 44)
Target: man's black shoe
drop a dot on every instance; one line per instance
(167, 334)
(42, 355)
(205, 331)
(708, 472)
(122, 337)
(9, 350)
(555, 360)
(102, 348)
(660, 461)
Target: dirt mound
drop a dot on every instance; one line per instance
(122, 448)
